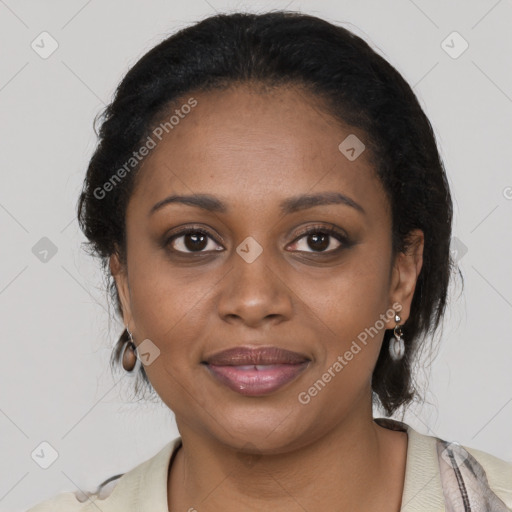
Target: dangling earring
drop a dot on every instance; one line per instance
(128, 356)
(396, 345)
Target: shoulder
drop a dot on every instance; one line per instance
(66, 501)
(442, 474)
(78, 501)
(146, 483)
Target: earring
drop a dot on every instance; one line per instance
(128, 356)
(396, 345)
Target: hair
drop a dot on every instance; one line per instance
(359, 88)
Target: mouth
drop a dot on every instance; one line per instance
(256, 372)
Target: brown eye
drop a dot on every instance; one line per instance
(321, 240)
(192, 240)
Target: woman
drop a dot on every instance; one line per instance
(269, 200)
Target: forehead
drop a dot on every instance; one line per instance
(243, 144)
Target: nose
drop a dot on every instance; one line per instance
(255, 292)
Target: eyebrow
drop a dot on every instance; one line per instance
(288, 206)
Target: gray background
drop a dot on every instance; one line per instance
(57, 329)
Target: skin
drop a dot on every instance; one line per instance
(253, 149)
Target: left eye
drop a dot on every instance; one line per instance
(320, 240)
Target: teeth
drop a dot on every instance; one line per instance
(255, 367)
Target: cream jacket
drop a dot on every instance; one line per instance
(144, 488)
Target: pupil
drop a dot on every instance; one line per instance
(198, 241)
(313, 241)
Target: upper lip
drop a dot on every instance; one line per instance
(262, 355)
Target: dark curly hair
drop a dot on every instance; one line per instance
(360, 88)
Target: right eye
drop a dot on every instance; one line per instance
(191, 240)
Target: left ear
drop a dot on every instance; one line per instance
(406, 269)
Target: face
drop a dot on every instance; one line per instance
(260, 265)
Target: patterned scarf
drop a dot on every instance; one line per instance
(465, 485)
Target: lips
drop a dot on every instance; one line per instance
(255, 372)
(239, 356)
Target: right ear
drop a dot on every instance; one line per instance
(120, 275)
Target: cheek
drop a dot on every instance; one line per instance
(164, 300)
(168, 311)
(353, 307)
(350, 332)
(354, 295)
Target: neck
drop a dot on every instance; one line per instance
(358, 465)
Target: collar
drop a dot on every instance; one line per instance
(422, 485)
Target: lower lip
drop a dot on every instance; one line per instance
(253, 382)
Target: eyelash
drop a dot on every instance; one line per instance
(325, 230)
